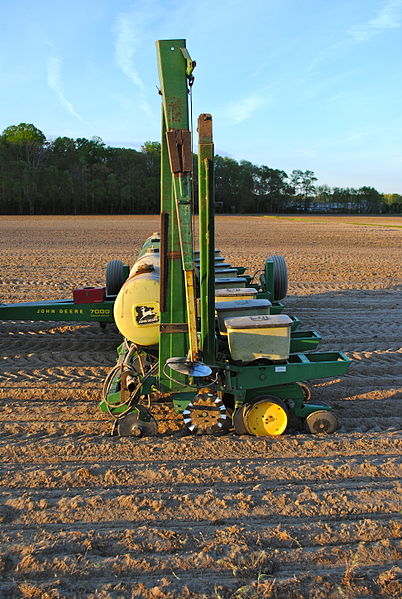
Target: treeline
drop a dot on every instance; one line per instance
(84, 176)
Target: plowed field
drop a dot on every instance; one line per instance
(84, 514)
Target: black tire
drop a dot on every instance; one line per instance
(114, 277)
(280, 277)
(238, 419)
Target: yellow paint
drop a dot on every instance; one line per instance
(191, 315)
(266, 418)
(236, 294)
(136, 309)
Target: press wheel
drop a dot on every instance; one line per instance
(321, 422)
(267, 416)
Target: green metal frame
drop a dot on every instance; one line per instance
(206, 208)
(59, 310)
(173, 340)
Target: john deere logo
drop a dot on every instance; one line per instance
(146, 315)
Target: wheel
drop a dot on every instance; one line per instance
(238, 419)
(280, 277)
(307, 393)
(321, 422)
(139, 423)
(205, 414)
(114, 277)
(267, 416)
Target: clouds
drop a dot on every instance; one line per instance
(244, 108)
(125, 46)
(388, 17)
(54, 82)
(128, 30)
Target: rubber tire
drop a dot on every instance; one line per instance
(280, 277)
(238, 419)
(114, 277)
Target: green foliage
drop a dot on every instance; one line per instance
(23, 134)
(393, 202)
(152, 148)
(302, 183)
(84, 176)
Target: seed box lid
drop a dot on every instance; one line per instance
(262, 321)
(235, 291)
(242, 304)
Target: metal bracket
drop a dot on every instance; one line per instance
(124, 391)
(174, 255)
(180, 156)
(174, 327)
(191, 64)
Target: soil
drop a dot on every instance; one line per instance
(299, 516)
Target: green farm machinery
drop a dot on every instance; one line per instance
(198, 333)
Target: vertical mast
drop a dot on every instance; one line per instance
(206, 203)
(178, 333)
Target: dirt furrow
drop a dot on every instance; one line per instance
(84, 514)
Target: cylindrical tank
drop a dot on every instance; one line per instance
(136, 309)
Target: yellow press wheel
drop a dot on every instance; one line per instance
(267, 416)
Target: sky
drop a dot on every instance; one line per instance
(292, 84)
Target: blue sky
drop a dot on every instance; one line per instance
(294, 84)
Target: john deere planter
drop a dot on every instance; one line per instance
(197, 332)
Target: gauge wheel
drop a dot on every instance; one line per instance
(238, 419)
(114, 277)
(267, 416)
(321, 422)
(280, 277)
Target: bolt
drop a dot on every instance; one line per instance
(136, 431)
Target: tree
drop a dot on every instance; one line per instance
(24, 134)
(91, 151)
(303, 184)
(226, 182)
(84, 176)
(151, 147)
(393, 202)
(27, 141)
(370, 200)
(27, 146)
(272, 190)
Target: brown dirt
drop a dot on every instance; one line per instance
(87, 515)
